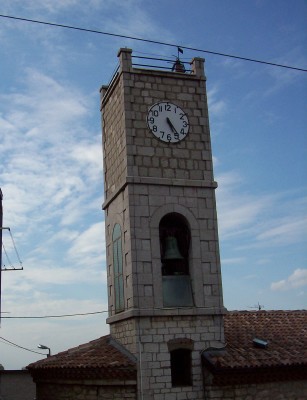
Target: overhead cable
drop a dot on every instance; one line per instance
(5, 341)
(153, 42)
(58, 316)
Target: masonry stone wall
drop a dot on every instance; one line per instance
(148, 339)
(189, 159)
(114, 144)
(138, 209)
(90, 391)
(292, 390)
(161, 178)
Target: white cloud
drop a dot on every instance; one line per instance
(268, 219)
(285, 231)
(45, 173)
(90, 243)
(297, 279)
(39, 273)
(44, 108)
(233, 261)
(217, 107)
(238, 211)
(283, 77)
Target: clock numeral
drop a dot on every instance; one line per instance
(168, 122)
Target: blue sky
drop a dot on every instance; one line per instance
(51, 159)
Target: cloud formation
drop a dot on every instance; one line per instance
(297, 279)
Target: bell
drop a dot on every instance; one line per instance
(178, 66)
(172, 252)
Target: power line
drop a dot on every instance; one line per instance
(153, 42)
(58, 316)
(12, 268)
(20, 347)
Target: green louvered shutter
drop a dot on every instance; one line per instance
(118, 269)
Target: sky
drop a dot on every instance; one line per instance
(51, 171)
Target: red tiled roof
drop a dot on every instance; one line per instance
(284, 331)
(102, 358)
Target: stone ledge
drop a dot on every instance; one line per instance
(171, 181)
(167, 312)
(142, 180)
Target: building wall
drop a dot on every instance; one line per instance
(16, 385)
(91, 391)
(114, 140)
(148, 339)
(290, 390)
(161, 179)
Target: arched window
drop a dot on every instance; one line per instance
(118, 269)
(175, 237)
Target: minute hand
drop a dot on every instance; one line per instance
(171, 125)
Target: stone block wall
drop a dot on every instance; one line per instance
(161, 178)
(92, 390)
(288, 390)
(138, 209)
(149, 338)
(114, 140)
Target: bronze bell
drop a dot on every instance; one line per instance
(172, 251)
(178, 66)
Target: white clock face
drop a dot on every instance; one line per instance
(168, 122)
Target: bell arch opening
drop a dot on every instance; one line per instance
(175, 241)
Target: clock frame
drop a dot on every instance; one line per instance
(168, 122)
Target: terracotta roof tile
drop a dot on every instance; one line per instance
(284, 331)
(103, 356)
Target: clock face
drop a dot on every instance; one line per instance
(168, 122)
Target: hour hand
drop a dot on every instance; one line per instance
(171, 125)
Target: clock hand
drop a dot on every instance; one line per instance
(171, 125)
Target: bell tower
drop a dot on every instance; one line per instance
(163, 265)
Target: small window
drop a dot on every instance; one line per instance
(181, 367)
(118, 269)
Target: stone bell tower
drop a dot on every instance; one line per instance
(163, 264)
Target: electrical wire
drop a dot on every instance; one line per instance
(5, 341)
(77, 314)
(58, 316)
(12, 268)
(153, 42)
(7, 256)
(15, 248)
